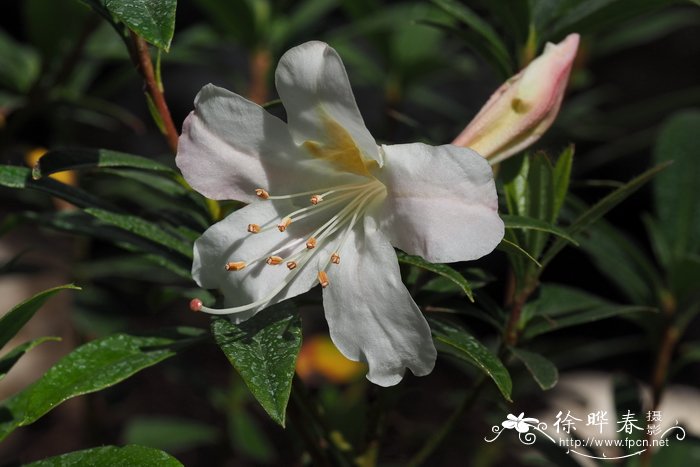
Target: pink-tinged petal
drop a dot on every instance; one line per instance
(524, 107)
(441, 202)
(230, 146)
(371, 316)
(229, 241)
(314, 87)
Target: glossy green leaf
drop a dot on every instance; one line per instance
(602, 207)
(77, 222)
(115, 456)
(18, 316)
(264, 351)
(91, 367)
(13, 176)
(459, 343)
(525, 223)
(542, 370)
(8, 360)
(169, 433)
(676, 195)
(145, 229)
(560, 306)
(154, 20)
(79, 158)
(441, 269)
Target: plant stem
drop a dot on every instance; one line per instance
(438, 437)
(142, 60)
(260, 61)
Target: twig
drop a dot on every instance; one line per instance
(142, 60)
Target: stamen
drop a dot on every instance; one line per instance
(253, 228)
(323, 279)
(315, 199)
(282, 226)
(311, 243)
(291, 265)
(335, 258)
(274, 260)
(260, 193)
(196, 305)
(235, 266)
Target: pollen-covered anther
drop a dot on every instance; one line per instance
(315, 199)
(235, 265)
(260, 193)
(311, 243)
(253, 228)
(335, 258)
(291, 265)
(282, 226)
(274, 260)
(196, 305)
(323, 279)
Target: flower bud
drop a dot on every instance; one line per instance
(524, 107)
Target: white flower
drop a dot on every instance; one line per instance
(521, 425)
(326, 205)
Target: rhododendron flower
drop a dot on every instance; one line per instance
(524, 107)
(326, 205)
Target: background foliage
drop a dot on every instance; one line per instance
(578, 284)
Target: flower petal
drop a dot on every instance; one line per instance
(441, 202)
(371, 315)
(231, 146)
(229, 241)
(314, 87)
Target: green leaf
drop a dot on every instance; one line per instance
(485, 40)
(562, 176)
(89, 368)
(131, 455)
(559, 306)
(676, 196)
(440, 269)
(459, 343)
(522, 222)
(143, 228)
(80, 158)
(602, 207)
(13, 176)
(516, 250)
(18, 316)
(169, 433)
(154, 20)
(542, 370)
(19, 65)
(264, 351)
(8, 360)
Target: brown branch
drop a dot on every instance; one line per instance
(142, 60)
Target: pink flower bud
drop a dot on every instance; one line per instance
(524, 107)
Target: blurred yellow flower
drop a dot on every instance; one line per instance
(319, 357)
(31, 158)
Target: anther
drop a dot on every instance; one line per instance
(335, 258)
(235, 266)
(323, 279)
(315, 199)
(274, 260)
(260, 193)
(253, 228)
(291, 265)
(282, 226)
(311, 243)
(196, 305)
